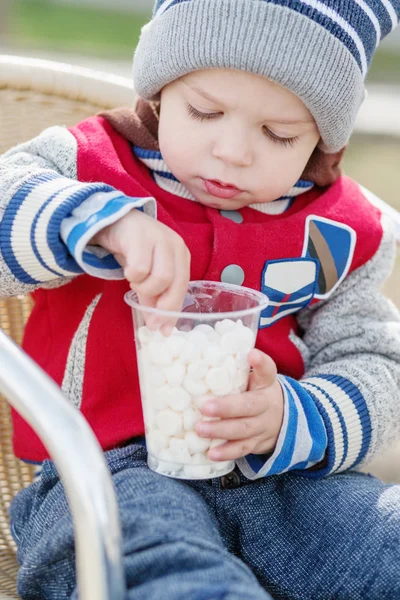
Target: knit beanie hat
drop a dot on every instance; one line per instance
(318, 49)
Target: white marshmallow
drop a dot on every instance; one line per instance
(158, 398)
(178, 399)
(155, 376)
(219, 381)
(198, 338)
(196, 443)
(159, 353)
(200, 459)
(240, 381)
(189, 353)
(191, 416)
(230, 342)
(169, 422)
(179, 450)
(224, 326)
(197, 370)
(230, 365)
(175, 373)
(225, 465)
(246, 337)
(175, 343)
(213, 355)
(206, 329)
(156, 440)
(167, 462)
(197, 471)
(195, 387)
(144, 335)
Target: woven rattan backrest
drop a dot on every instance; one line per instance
(23, 114)
(35, 95)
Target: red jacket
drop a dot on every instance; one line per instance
(297, 258)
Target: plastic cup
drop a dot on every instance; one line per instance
(204, 356)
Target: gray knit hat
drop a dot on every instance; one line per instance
(318, 49)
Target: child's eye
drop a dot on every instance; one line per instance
(290, 141)
(200, 116)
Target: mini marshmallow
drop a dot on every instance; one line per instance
(178, 399)
(198, 338)
(197, 370)
(195, 387)
(156, 377)
(219, 381)
(246, 337)
(156, 440)
(224, 465)
(179, 450)
(189, 353)
(176, 344)
(230, 365)
(199, 459)
(213, 355)
(230, 342)
(175, 373)
(196, 443)
(197, 471)
(159, 353)
(206, 329)
(144, 335)
(191, 416)
(169, 422)
(167, 462)
(159, 398)
(224, 326)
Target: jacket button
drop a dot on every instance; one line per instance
(232, 274)
(232, 215)
(230, 481)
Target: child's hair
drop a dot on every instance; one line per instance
(318, 49)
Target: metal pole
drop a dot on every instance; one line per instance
(82, 468)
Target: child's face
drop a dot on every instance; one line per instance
(235, 128)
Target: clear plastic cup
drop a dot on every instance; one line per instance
(204, 356)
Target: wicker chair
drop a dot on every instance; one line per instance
(35, 94)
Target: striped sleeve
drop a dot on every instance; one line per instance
(346, 418)
(302, 441)
(30, 241)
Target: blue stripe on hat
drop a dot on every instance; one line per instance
(358, 24)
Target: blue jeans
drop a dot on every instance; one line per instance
(282, 536)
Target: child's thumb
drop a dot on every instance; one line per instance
(263, 370)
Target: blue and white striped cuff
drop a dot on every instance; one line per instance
(30, 241)
(95, 213)
(347, 422)
(302, 440)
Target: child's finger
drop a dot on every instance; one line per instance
(264, 370)
(235, 449)
(232, 429)
(240, 405)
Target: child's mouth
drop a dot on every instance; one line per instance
(221, 190)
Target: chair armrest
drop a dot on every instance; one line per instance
(81, 465)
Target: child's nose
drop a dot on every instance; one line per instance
(233, 149)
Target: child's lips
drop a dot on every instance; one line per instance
(221, 190)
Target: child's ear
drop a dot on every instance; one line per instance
(323, 169)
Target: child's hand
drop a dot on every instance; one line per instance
(155, 259)
(250, 422)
